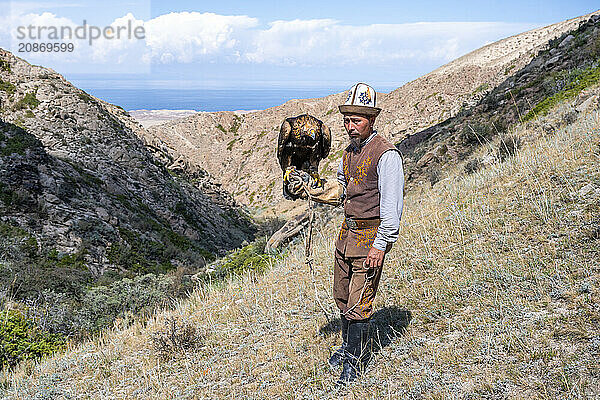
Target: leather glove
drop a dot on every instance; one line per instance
(331, 193)
(303, 185)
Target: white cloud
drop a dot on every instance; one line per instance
(326, 42)
(191, 37)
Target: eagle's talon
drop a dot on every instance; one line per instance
(288, 171)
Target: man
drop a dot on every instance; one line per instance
(370, 183)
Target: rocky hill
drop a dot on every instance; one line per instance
(245, 143)
(82, 197)
(562, 70)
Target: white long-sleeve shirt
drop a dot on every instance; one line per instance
(391, 187)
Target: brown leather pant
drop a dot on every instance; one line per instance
(354, 286)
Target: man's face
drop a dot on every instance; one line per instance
(358, 127)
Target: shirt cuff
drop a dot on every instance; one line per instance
(380, 244)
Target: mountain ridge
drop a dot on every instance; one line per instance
(248, 168)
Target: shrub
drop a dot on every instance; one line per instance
(20, 142)
(578, 82)
(4, 65)
(473, 165)
(236, 124)
(21, 339)
(7, 87)
(473, 134)
(435, 175)
(101, 305)
(507, 147)
(175, 337)
(249, 258)
(29, 101)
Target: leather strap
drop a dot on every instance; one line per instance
(354, 223)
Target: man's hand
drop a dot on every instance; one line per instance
(301, 184)
(374, 258)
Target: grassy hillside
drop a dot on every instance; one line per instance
(491, 291)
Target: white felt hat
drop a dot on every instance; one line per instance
(361, 99)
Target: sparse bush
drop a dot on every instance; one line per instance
(569, 117)
(19, 141)
(435, 175)
(507, 147)
(101, 305)
(473, 134)
(473, 165)
(175, 337)
(578, 80)
(29, 101)
(4, 65)
(235, 125)
(7, 87)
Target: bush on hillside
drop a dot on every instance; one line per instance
(21, 339)
(251, 257)
(507, 147)
(175, 337)
(473, 134)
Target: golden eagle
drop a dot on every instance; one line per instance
(303, 142)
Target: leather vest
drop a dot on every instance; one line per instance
(362, 195)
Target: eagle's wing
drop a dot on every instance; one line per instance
(284, 137)
(325, 140)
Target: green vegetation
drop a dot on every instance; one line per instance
(85, 97)
(509, 68)
(153, 254)
(7, 87)
(249, 258)
(4, 65)
(474, 133)
(183, 210)
(101, 305)
(236, 124)
(11, 231)
(261, 134)
(56, 260)
(19, 142)
(7, 197)
(582, 80)
(231, 143)
(21, 339)
(332, 156)
(140, 256)
(431, 95)
(29, 114)
(29, 101)
(481, 88)
(329, 112)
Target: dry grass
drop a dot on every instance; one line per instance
(499, 270)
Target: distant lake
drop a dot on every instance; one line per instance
(206, 99)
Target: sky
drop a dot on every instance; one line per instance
(235, 44)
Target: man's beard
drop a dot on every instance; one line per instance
(355, 144)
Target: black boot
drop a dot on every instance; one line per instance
(358, 352)
(338, 357)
